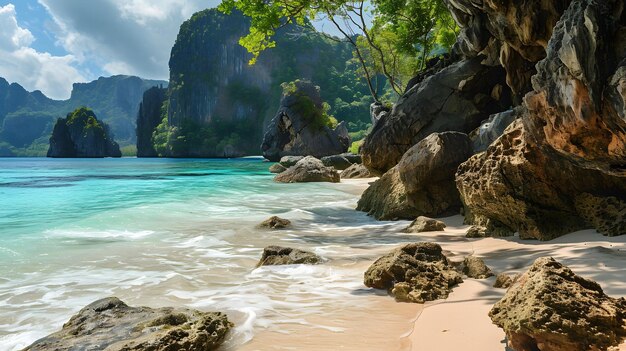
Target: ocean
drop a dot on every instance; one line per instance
(181, 232)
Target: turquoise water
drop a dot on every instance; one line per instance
(162, 232)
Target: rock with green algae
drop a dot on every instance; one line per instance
(549, 308)
(109, 324)
(416, 272)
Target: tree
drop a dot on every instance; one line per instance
(396, 42)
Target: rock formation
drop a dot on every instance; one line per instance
(277, 168)
(302, 127)
(549, 308)
(475, 267)
(477, 231)
(355, 171)
(288, 161)
(492, 129)
(112, 325)
(416, 272)
(276, 255)
(503, 281)
(309, 169)
(275, 222)
(80, 134)
(342, 161)
(148, 118)
(422, 184)
(424, 224)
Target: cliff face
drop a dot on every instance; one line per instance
(148, 118)
(218, 102)
(80, 134)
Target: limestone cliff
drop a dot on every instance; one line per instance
(148, 118)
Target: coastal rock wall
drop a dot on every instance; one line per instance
(148, 118)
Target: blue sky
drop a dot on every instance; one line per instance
(49, 44)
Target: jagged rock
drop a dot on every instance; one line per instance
(549, 308)
(503, 281)
(422, 184)
(80, 134)
(356, 171)
(457, 98)
(309, 169)
(276, 255)
(377, 111)
(477, 231)
(492, 129)
(275, 222)
(475, 267)
(606, 214)
(341, 162)
(424, 224)
(300, 126)
(288, 161)
(112, 325)
(148, 118)
(277, 168)
(417, 272)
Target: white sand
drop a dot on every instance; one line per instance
(461, 322)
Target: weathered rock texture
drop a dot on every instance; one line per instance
(148, 119)
(457, 98)
(276, 255)
(492, 129)
(475, 267)
(309, 169)
(416, 272)
(424, 224)
(549, 308)
(342, 161)
(277, 168)
(112, 325)
(356, 171)
(422, 184)
(80, 134)
(288, 161)
(503, 281)
(275, 222)
(300, 127)
(565, 158)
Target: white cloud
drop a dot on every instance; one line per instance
(34, 70)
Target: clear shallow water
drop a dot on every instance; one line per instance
(161, 232)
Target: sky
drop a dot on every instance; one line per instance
(49, 44)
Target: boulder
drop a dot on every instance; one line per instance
(355, 171)
(275, 222)
(340, 162)
(457, 98)
(81, 134)
(288, 161)
(112, 325)
(277, 168)
(417, 272)
(549, 308)
(422, 184)
(475, 267)
(309, 169)
(276, 255)
(424, 224)
(492, 129)
(503, 281)
(302, 127)
(477, 231)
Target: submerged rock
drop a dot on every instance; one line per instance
(417, 272)
(475, 267)
(549, 308)
(112, 325)
(309, 169)
(81, 134)
(276, 255)
(275, 222)
(424, 224)
(277, 168)
(302, 127)
(356, 171)
(503, 281)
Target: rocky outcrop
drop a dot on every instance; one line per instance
(112, 325)
(422, 184)
(342, 161)
(355, 171)
(550, 308)
(276, 255)
(80, 134)
(457, 98)
(309, 169)
(565, 156)
(492, 129)
(477, 231)
(277, 168)
(288, 161)
(503, 281)
(275, 222)
(377, 111)
(424, 224)
(302, 126)
(475, 267)
(148, 118)
(416, 272)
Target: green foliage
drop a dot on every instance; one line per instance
(355, 146)
(317, 117)
(129, 150)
